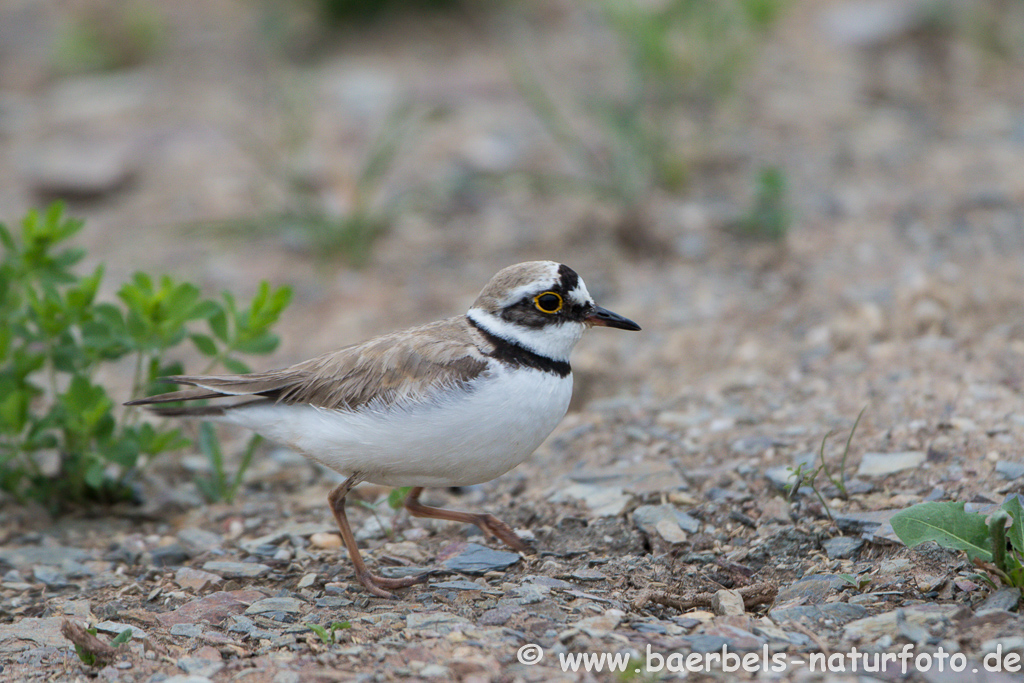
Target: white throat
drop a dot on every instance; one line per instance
(551, 341)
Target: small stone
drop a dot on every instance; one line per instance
(870, 628)
(670, 531)
(197, 666)
(31, 632)
(442, 622)
(603, 501)
(601, 625)
(500, 614)
(836, 612)
(196, 579)
(728, 603)
(325, 540)
(289, 605)
(588, 574)
(460, 585)
(883, 464)
(647, 517)
(810, 589)
(51, 576)
(187, 630)
(307, 580)
(236, 570)
(1010, 470)
(1003, 599)
(173, 555)
(115, 628)
(842, 547)
(372, 529)
(77, 169)
(200, 540)
(406, 550)
(478, 559)
(212, 609)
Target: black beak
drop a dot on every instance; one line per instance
(602, 317)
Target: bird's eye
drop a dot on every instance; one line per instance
(548, 302)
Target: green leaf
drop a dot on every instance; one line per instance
(122, 637)
(948, 524)
(263, 343)
(1016, 532)
(325, 637)
(236, 366)
(219, 324)
(397, 497)
(204, 343)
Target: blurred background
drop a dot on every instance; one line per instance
(759, 183)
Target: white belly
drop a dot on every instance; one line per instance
(460, 438)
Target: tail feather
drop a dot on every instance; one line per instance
(188, 411)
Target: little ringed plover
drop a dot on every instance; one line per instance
(452, 403)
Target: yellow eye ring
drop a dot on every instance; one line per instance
(548, 302)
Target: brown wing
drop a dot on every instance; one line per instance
(409, 364)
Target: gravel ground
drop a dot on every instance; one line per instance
(656, 510)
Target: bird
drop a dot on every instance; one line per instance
(455, 402)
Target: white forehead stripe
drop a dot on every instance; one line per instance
(579, 293)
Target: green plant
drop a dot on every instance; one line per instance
(91, 658)
(101, 36)
(678, 59)
(858, 582)
(769, 217)
(60, 443)
(1000, 549)
(329, 637)
(809, 477)
(219, 485)
(397, 496)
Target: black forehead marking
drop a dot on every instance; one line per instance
(567, 278)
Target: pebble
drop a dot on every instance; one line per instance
(80, 169)
(601, 625)
(728, 603)
(876, 626)
(115, 628)
(834, 612)
(441, 622)
(212, 608)
(648, 517)
(236, 570)
(883, 464)
(603, 501)
(32, 556)
(478, 559)
(588, 574)
(51, 576)
(307, 580)
(459, 585)
(197, 666)
(1010, 470)
(842, 547)
(325, 540)
(31, 631)
(1005, 598)
(196, 579)
(810, 589)
(500, 614)
(289, 605)
(200, 540)
(172, 555)
(187, 630)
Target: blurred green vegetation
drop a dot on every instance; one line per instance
(100, 35)
(680, 60)
(61, 443)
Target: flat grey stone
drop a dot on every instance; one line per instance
(31, 632)
(1003, 599)
(883, 464)
(500, 614)
(31, 556)
(548, 581)
(478, 559)
(810, 589)
(236, 570)
(289, 605)
(603, 501)
(1010, 470)
(196, 666)
(187, 630)
(459, 585)
(173, 555)
(51, 576)
(878, 625)
(115, 628)
(442, 622)
(647, 517)
(200, 540)
(752, 445)
(842, 547)
(833, 612)
(71, 168)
